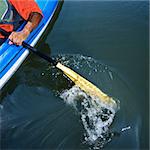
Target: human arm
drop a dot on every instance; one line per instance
(32, 22)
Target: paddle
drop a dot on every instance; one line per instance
(81, 82)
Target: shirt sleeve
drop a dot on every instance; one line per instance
(6, 27)
(25, 7)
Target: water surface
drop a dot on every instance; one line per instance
(106, 42)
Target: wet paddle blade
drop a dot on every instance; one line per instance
(87, 86)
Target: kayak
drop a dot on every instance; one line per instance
(12, 56)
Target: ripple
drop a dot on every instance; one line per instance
(96, 116)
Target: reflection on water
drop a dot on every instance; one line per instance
(35, 120)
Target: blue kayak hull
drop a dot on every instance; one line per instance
(12, 56)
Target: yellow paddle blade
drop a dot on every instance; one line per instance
(86, 86)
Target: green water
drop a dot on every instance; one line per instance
(115, 36)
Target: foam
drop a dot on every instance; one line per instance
(96, 116)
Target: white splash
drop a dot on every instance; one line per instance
(95, 115)
(126, 128)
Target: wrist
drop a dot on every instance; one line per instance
(28, 28)
(26, 31)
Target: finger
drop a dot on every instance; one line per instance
(18, 42)
(11, 38)
(11, 35)
(14, 38)
(10, 42)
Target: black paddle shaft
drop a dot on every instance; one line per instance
(32, 49)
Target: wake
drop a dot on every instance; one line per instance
(96, 116)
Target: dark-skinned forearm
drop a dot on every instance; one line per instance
(32, 22)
